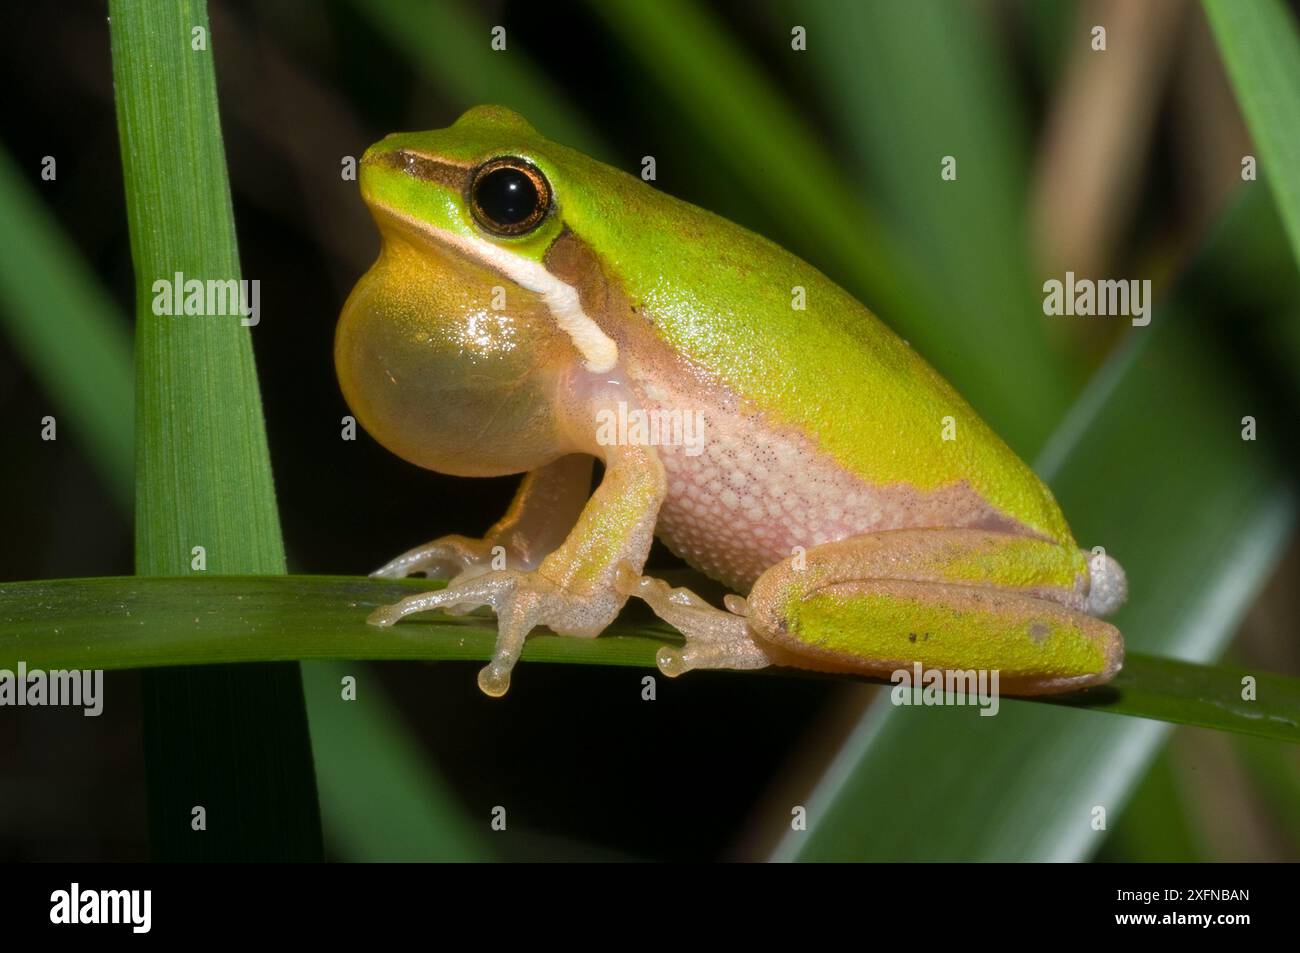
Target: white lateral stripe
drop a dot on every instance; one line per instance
(599, 351)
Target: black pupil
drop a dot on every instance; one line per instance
(506, 196)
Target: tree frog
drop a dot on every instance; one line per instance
(533, 310)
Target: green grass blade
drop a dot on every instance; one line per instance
(1208, 696)
(1275, 771)
(48, 298)
(1261, 49)
(1156, 825)
(231, 740)
(378, 799)
(453, 46)
(132, 623)
(1023, 785)
(136, 622)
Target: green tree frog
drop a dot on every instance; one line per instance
(532, 310)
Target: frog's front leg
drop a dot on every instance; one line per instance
(542, 513)
(950, 599)
(572, 590)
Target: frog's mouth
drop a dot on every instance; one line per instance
(598, 350)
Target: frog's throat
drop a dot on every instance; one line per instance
(598, 350)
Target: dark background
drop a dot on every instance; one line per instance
(592, 769)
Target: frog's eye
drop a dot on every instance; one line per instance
(509, 195)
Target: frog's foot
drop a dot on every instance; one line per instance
(522, 601)
(714, 639)
(455, 558)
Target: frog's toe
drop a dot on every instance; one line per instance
(459, 597)
(738, 653)
(384, 616)
(670, 661)
(494, 679)
(446, 556)
(685, 611)
(522, 601)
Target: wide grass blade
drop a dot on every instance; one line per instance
(129, 623)
(1261, 49)
(228, 746)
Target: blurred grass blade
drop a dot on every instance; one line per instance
(232, 740)
(1261, 49)
(1156, 825)
(1196, 515)
(453, 46)
(378, 800)
(129, 622)
(1275, 770)
(49, 298)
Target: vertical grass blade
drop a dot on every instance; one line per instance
(1261, 49)
(227, 744)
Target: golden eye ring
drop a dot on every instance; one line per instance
(509, 196)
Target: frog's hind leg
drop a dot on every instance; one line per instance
(952, 600)
(714, 639)
(948, 599)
